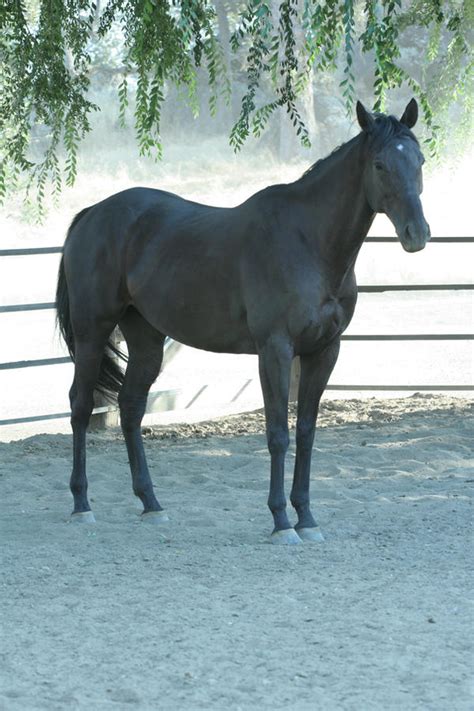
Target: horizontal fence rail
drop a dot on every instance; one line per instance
(365, 288)
(157, 394)
(436, 240)
(372, 288)
(11, 308)
(362, 289)
(151, 407)
(31, 251)
(13, 365)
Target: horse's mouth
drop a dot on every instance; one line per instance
(411, 247)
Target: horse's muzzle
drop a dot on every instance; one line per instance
(415, 236)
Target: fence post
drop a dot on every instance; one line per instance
(295, 379)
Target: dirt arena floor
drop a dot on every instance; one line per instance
(204, 613)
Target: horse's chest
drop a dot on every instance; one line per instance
(326, 323)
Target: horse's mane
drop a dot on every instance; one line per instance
(385, 128)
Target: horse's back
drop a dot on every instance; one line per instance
(124, 225)
(176, 261)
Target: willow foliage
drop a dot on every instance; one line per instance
(47, 54)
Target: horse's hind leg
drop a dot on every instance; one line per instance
(88, 359)
(145, 348)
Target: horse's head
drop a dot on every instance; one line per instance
(393, 178)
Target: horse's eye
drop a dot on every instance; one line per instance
(379, 165)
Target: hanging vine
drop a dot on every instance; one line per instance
(47, 56)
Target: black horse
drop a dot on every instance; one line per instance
(273, 276)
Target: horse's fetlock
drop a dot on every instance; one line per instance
(77, 489)
(300, 501)
(143, 493)
(276, 504)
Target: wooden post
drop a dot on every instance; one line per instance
(295, 379)
(103, 420)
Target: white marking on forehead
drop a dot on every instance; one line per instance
(400, 147)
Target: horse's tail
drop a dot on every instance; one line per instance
(111, 376)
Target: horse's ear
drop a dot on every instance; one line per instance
(410, 115)
(365, 119)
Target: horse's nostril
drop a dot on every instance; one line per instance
(416, 235)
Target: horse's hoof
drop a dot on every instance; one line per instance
(313, 535)
(82, 517)
(155, 517)
(286, 537)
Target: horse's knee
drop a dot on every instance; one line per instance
(81, 411)
(278, 440)
(305, 434)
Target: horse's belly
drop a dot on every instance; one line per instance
(196, 301)
(208, 325)
(234, 340)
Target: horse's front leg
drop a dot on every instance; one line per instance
(274, 367)
(315, 372)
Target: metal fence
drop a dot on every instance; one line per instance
(11, 308)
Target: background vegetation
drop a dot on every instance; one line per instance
(158, 62)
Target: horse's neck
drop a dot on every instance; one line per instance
(339, 214)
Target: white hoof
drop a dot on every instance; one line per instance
(313, 535)
(287, 537)
(156, 518)
(82, 517)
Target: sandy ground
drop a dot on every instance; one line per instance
(205, 613)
